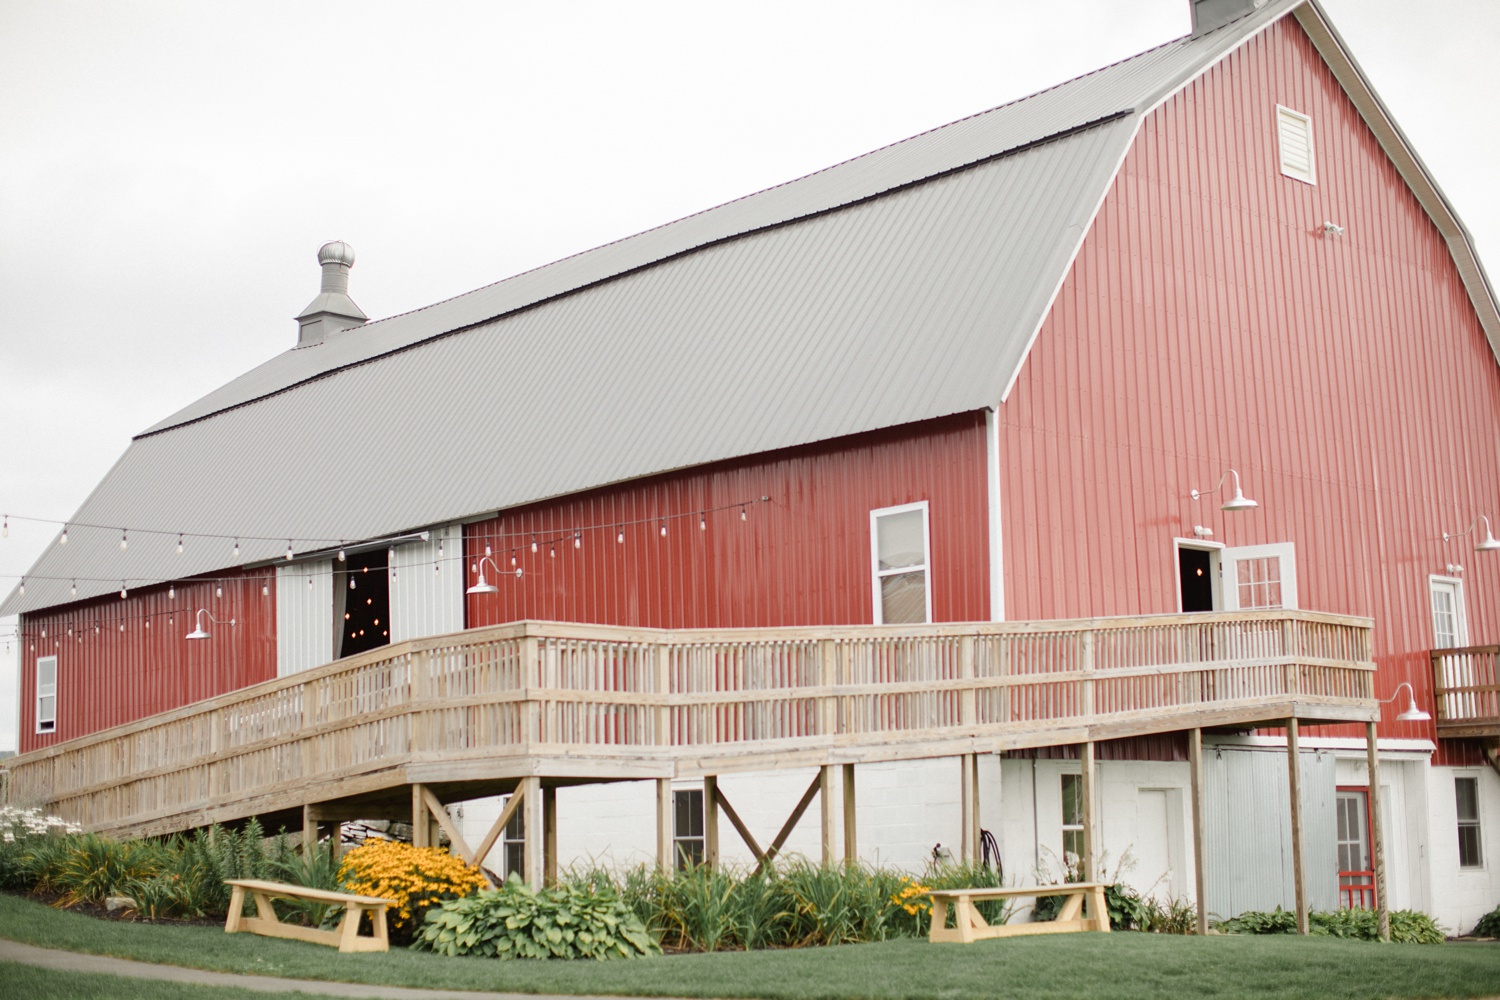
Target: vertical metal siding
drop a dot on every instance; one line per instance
(1207, 324)
(427, 591)
(108, 677)
(1247, 831)
(304, 616)
(803, 558)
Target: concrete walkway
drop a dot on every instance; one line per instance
(72, 961)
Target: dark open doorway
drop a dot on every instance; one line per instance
(1195, 572)
(366, 611)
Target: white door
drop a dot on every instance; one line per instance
(1450, 628)
(1259, 577)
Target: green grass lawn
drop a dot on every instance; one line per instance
(1118, 966)
(45, 984)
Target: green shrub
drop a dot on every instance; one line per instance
(568, 921)
(1407, 926)
(1489, 924)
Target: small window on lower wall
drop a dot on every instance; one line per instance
(46, 694)
(513, 841)
(1072, 818)
(687, 827)
(898, 565)
(1470, 852)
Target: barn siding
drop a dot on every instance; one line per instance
(1207, 324)
(108, 677)
(801, 558)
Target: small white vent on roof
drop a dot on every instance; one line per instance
(1294, 135)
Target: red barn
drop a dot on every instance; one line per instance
(1012, 373)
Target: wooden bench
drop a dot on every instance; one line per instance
(346, 938)
(970, 926)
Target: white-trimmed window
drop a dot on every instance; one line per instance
(1072, 816)
(898, 564)
(1466, 791)
(1449, 627)
(1295, 141)
(687, 827)
(46, 694)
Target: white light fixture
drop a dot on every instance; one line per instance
(1412, 713)
(1489, 543)
(1237, 502)
(484, 586)
(199, 632)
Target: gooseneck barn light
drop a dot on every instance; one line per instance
(1237, 502)
(1412, 713)
(199, 632)
(1488, 543)
(484, 586)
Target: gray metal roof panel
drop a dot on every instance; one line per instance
(1135, 83)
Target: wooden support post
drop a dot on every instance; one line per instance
(1377, 835)
(664, 859)
(1090, 834)
(549, 835)
(851, 839)
(969, 807)
(711, 821)
(309, 829)
(1200, 864)
(419, 820)
(1294, 780)
(825, 807)
(531, 824)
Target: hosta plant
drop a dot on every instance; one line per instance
(514, 921)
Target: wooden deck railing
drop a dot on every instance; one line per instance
(605, 702)
(1468, 691)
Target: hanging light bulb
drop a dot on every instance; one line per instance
(172, 592)
(73, 590)
(578, 540)
(179, 543)
(124, 540)
(512, 558)
(341, 553)
(219, 590)
(664, 529)
(288, 550)
(487, 551)
(122, 590)
(702, 522)
(122, 626)
(148, 623)
(44, 633)
(5, 533)
(553, 552)
(70, 631)
(440, 548)
(309, 582)
(236, 548)
(62, 539)
(533, 543)
(23, 586)
(351, 583)
(743, 515)
(621, 536)
(265, 590)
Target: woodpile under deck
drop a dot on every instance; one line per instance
(476, 712)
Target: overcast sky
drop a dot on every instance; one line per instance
(169, 169)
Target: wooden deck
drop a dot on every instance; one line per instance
(1467, 691)
(475, 712)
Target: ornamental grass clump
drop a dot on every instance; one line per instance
(577, 920)
(417, 878)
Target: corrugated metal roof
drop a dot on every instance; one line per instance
(896, 287)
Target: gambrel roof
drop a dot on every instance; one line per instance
(899, 286)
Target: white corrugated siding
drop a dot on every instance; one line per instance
(304, 616)
(427, 590)
(1248, 831)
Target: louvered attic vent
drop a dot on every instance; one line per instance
(1294, 133)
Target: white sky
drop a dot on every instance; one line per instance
(169, 169)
